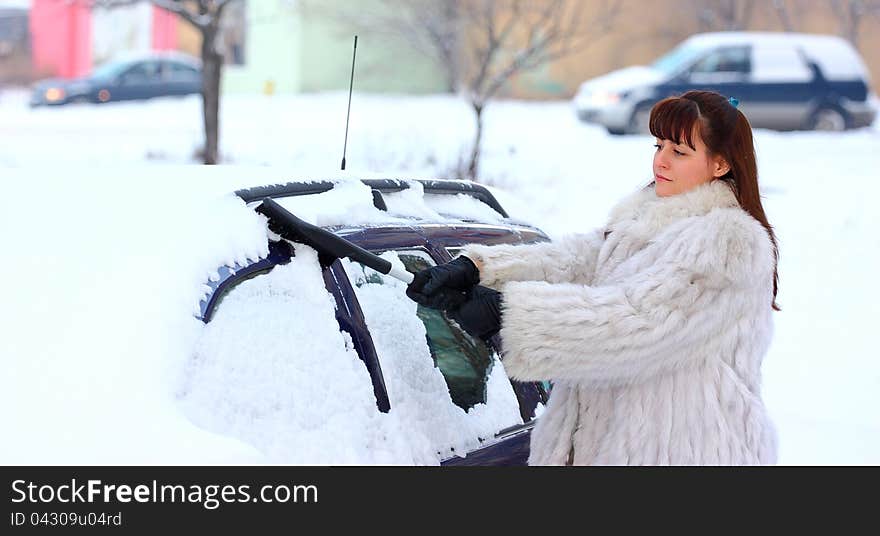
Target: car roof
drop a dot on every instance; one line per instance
(165, 55)
(835, 56)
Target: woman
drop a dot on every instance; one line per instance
(653, 328)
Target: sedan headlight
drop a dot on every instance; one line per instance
(587, 98)
(54, 94)
(603, 98)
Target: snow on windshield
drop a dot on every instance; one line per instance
(273, 369)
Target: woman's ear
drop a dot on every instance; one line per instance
(720, 168)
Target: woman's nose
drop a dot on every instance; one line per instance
(662, 161)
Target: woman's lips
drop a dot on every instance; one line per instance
(662, 178)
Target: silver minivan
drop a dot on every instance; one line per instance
(783, 81)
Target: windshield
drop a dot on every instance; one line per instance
(109, 70)
(677, 59)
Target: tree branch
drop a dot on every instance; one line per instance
(178, 8)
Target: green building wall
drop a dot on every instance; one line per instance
(301, 46)
(271, 44)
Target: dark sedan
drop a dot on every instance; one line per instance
(129, 79)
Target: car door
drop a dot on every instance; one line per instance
(182, 79)
(142, 80)
(784, 88)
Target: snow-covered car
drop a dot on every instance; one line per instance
(316, 359)
(783, 81)
(139, 77)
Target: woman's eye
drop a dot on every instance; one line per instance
(679, 153)
(657, 145)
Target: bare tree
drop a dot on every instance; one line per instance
(851, 13)
(780, 7)
(732, 15)
(480, 45)
(507, 37)
(204, 16)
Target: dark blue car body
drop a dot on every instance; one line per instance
(508, 447)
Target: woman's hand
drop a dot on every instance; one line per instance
(460, 274)
(480, 313)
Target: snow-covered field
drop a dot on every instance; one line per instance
(108, 232)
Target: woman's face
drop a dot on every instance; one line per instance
(678, 168)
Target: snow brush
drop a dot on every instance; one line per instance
(284, 223)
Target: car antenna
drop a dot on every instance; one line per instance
(350, 86)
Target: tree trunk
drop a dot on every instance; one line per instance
(212, 63)
(473, 167)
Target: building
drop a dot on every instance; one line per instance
(69, 38)
(306, 45)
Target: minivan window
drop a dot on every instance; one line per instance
(725, 60)
(677, 59)
(779, 62)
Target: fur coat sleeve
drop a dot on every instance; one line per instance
(571, 259)
(670, 305)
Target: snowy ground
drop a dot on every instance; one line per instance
(105, 229)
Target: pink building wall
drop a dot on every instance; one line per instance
(164, 29)
(61, 38)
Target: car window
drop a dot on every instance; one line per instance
(725, 60)
(464, 361)
(779, 62)
(146, 71)
(178, 70)
(446, 385)
(109, 70)
(677, 59)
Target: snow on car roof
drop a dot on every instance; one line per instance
(350, 202)
(834, 55)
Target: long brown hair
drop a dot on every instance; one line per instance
(726, 132)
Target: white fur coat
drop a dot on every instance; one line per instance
(653, 336)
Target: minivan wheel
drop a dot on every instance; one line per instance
(828, 120)
(638, 122)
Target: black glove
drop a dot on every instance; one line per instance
(445, 299)
(480, 314)
(459, 274)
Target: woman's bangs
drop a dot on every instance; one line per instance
(673, 119)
